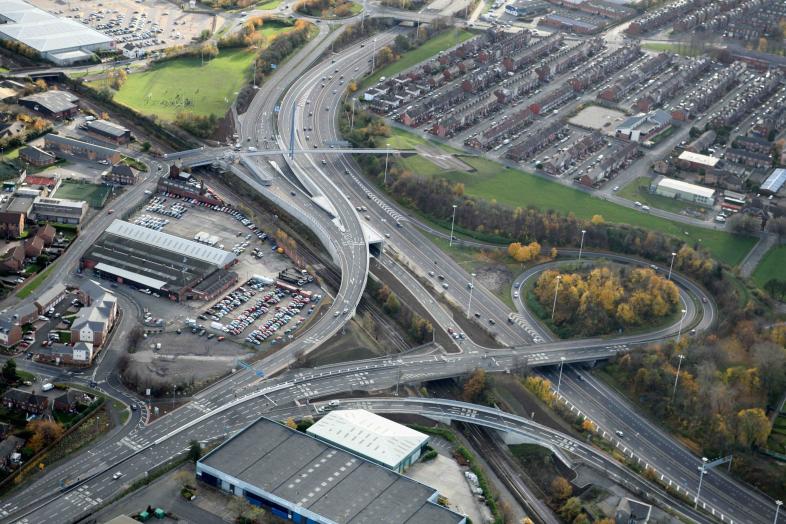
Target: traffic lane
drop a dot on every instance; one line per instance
(657, 448)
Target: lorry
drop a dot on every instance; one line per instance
(47, 387)
(263, 280)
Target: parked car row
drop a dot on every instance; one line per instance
(151, 222)
(158, 205)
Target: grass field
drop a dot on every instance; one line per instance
(773, 265)
(271, 28)
(516, 188)
(680, 49)
(94, 194)
(638, 189)
(267, 6)
(410, 58)
(184, 84)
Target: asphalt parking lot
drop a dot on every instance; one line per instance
(151, 25)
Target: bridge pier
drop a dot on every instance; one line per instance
(510, 438)
(437, 418)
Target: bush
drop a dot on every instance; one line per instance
(429, 455)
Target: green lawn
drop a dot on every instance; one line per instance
(439, 43)
(272, 28)
(184, 84)
(33, 284)
(266, 6)
(516, 188)
(639, 190)
(94, 194)
(773, 265)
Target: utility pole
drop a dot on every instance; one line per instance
(452, 223)
(778, 504)
(679, 330)
(673, 256)
(581, 247)
(471, 287)
(677, 377)
(702, 471)
(556, 290)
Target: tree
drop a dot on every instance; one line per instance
(743, 223)
(571, 509)
(561, 488)
(40, 84)
(392, 306)
(475, 385)
(291, 424)
(597, 220)
(753, 427)
(777, 226)
(44, 433)
(9, 371)
(135, 337)
(194, 451)
(146, 146)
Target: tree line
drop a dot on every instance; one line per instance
(417, 327)
(605, 299)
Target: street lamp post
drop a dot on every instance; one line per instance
(559, 379)
(387, 154)
(671, 266)
(471, 287)
(778, 504)
(374, 56)
(174, 391)
(452, 223)
(581, 247)
(702, 471)
(676, 378)
(679, 330)
(556, 290)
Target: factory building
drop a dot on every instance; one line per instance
(372, 437)
(680, 190)
(160, 263)
(60, 40)
(774, 182)
(307, 481)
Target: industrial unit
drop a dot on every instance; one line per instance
(302, 479)
(372, 437)
(160, 263)
(680, 190)
(59, 40)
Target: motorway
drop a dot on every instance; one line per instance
(232, 403)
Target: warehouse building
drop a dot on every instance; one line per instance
(105, 130)
(680, 190)
(160, 263)
(774, 182)
(300, 478)
(372, 437)
(52, 104)
(59, 40)
(63, 145)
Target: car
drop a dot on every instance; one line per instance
(477, 315)
(445, 285)
(615, 188)
(515, 294)
(492, 321)
(704, 300)
(619, 433)
(431, 273)
(117, 475)
(637, 203)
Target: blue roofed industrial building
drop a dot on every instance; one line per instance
(305, 480)
(774, 182)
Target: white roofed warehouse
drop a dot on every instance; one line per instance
(59, 40)
(680, 190)
(165, 264)
(372, 437)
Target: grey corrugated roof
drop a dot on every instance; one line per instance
(54, 101)
(171, 243)
(325, 480)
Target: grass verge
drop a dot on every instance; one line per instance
(773, 265)
(34, 283)
(439, 43)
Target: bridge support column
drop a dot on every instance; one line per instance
(510, 438)
(441, 420)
